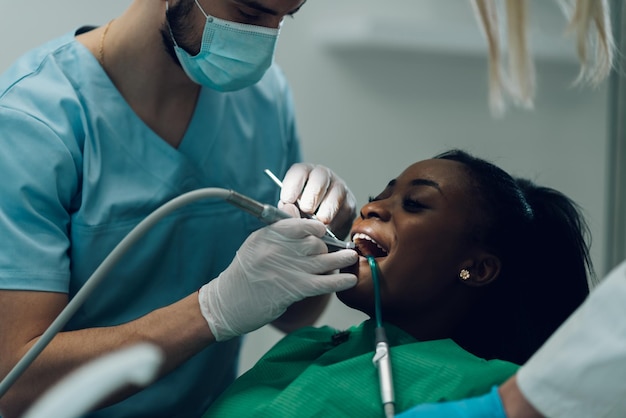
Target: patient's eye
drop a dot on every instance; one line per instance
(385, 194)
(412, 205)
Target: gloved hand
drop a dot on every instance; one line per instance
(275, 267)
(486, 406)
(317, 190)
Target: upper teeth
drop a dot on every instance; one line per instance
(360, 235)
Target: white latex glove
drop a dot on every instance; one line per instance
(317, 190)
(275, 267)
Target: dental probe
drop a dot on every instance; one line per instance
(381, 359)
(270, 214)
(280, 184)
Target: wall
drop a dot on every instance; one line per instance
(379, 85)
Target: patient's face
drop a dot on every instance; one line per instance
(418, 230)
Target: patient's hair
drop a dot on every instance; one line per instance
(590, 21)
(540, 237)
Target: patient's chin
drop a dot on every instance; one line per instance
(345, 298)
(353, 269)
(359, 297)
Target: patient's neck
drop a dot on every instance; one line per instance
(440, 322)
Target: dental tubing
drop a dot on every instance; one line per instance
(381, 359)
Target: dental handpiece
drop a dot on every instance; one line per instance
(270, 214)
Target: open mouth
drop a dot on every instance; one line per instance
(367, 246)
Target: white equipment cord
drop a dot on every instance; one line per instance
(84, 388)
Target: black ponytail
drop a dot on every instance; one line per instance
(539, 235)
(559, 235)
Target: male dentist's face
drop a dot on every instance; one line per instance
(187, 21)
(268, 13)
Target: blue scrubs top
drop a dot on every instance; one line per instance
(79, 169)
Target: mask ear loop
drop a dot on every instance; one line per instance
(206, 16)
(167, 20)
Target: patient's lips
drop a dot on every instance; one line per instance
(367, 246)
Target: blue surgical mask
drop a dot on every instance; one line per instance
(232, 55)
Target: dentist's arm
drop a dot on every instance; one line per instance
(505, 402)
(515, 403)
(486, 406)
(275, 267)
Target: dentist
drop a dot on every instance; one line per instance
(100, 127)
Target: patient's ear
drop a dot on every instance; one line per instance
(483, 269)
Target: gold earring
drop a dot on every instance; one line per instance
(464, 274)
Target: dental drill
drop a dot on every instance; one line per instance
(270, 214)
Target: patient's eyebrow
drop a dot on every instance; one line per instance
(426, 182)
(418, 182)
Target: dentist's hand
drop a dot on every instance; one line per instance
(317, 190)
(485, 406)
(275, 267)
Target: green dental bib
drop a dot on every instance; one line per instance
(317, 372)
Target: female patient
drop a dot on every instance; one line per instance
(476, 270)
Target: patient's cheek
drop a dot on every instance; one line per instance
(359, 298)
